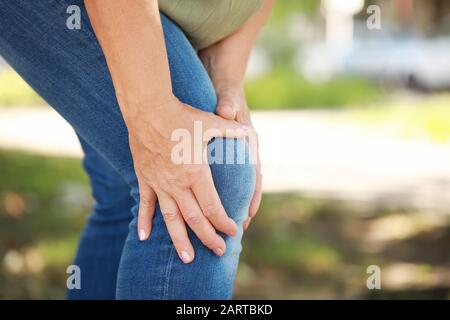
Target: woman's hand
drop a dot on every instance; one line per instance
(185, 192)
(232, 105)
(140, 72)
(137, 60)
(226, 63)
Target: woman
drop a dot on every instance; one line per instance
(126, 80)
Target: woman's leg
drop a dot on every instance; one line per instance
(152, 269)
(104, 235)
(67, 68)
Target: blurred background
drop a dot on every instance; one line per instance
(351, 101)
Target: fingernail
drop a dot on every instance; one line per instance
(245, 127)
(246, 224)
(233, 230)
(142, 235)
(185, 257)
(218, 252)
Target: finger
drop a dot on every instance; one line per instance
(226, 110)
(216, 126)
(210, 204)
(247, 223)
(176, 227)
(147, 203)
(257, 195)
(198, 223)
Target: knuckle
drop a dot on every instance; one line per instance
(209, 242)
(199, 177)
(193, 173)
(211, 209)
(172, 181)
(178, 239)
(214, 126)
(176, 191)
(170, 216)
(211, 118)
(146, 202)
(190, 177)
(192, 219)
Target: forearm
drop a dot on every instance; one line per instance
(130, 34)
(227, 60)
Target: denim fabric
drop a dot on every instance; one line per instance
(68, 69)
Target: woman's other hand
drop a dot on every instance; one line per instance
(232, 105)
(185, 191)
(226, 63)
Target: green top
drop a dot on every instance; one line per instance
(208, 21)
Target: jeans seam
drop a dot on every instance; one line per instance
(168, 274)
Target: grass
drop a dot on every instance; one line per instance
(296, 248)
(38, 226)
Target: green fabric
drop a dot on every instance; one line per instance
(207, 21)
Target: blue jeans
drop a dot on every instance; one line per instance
(68, 69)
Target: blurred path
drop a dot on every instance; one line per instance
(319, 153)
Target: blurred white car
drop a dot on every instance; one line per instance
(421, 63)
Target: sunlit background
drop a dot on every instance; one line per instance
(351, 101)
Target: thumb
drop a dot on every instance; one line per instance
(226, 110)
(216, 126)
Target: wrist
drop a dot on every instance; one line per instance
(225, 86)
(221, 69)
(136, 107)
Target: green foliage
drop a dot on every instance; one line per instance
(15, 91)
(283, 8)
(287, 90)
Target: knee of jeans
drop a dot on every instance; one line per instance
(234, 175)
(202, 96)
